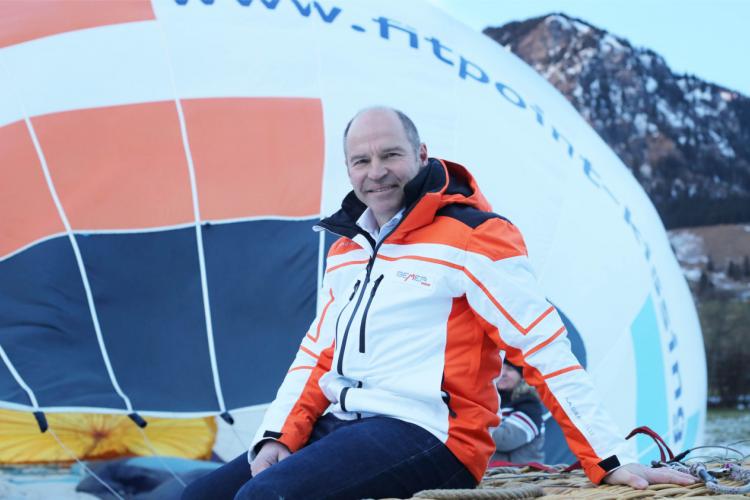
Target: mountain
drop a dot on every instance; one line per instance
(687, 141)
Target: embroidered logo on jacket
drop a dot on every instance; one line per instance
(413, 278)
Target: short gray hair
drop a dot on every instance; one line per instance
(412, 135)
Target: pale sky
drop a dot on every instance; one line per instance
(707, 38)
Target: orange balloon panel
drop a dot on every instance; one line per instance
(97, 436)
(23, 20)
(256, 156)
(28, 212)
(120, 167)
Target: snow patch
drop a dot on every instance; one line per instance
(646, 170)
(581, 27)
(699, 94)
(693, 274)
(674, 119)
(721, 143)
(688, 247)
(641, 123)
(564, 23)
(651, 85)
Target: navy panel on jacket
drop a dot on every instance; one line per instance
(262, 279)
(147, 292)
(47, 332)
(467, 214)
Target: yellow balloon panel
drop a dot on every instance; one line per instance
(98, 436)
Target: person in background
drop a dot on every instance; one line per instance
(520, 437)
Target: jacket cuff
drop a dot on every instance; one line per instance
(257, 443)
(598, 472)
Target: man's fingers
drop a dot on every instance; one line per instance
(270, 453)
(635, 481)
(259, 466)
(283, 454)
(664, 475)
(639, 477)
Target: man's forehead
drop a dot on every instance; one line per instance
(376, 126)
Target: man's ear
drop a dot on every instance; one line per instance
(423, 156)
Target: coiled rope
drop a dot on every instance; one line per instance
(509, 492)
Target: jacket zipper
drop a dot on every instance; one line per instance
(340, 364)
(370, 263)
(356, 286)
(363, 325)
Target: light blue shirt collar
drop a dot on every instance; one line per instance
(368, 222)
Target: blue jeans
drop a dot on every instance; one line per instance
(344, 459)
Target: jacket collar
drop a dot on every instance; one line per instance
(438, 184)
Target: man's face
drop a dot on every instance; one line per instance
(380, 161)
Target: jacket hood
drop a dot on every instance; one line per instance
(438, 184)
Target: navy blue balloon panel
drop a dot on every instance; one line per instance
(148, 297)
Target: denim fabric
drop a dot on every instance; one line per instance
(368, 458)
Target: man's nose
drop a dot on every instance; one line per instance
(377, 170)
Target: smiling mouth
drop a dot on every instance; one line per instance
(381, 189)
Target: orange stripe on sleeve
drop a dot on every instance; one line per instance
(303, 367)
(577, 442)
(539, 319)
(322, 318)
(503, 311)
(308, 352)
(562, 370)
(545, 343)
(523, 330)
(24, 20)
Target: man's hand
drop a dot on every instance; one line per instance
(639, 476)
(271, 452)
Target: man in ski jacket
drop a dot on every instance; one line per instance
(392, 390)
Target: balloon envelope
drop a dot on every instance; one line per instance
(95, 436)
(162, 164)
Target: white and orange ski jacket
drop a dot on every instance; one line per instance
(412, 326)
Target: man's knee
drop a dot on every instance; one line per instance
(197, 489)
(265, 486)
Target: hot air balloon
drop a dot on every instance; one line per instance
(162, 164)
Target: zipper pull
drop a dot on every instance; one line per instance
(362, 325)
(354, 292)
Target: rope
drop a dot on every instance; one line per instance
(735, 472)
(163, 463)
(713, 457)
(504, 470)
(510, 492)
(238, 437)
(84, 466)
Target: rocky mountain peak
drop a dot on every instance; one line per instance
(687, 141)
